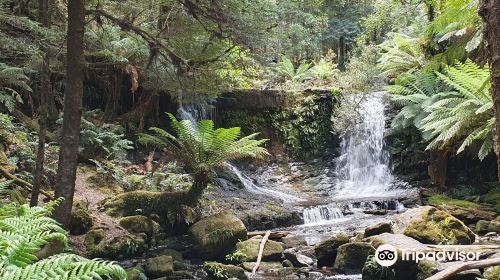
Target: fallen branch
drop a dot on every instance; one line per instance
(20, 182)
(463, 266)
(261, 251)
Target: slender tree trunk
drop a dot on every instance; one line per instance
(44, 17)
(490, 12)
(341, 54)
(68, 156)
(200, 183)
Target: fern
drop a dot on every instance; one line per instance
(24, 231)
(12, 82)
(200, 147)
(402, 54)
(287, 69)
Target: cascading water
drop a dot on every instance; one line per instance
(321, 214)
(363, 166)
(194, 113)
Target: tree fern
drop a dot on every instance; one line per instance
(200, 147)
(402, 54)
(12, 82)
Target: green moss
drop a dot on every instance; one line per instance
(250, 248)
(494, 274)
(441, 199)
(221, 271)
(140, 224)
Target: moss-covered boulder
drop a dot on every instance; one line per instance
(140, 224)
(81, 218)
(117, 247)
(493, 273)
(215, 236)
(378, 229)
(273, 251)
(482, 226)
(217, 270)
(135, 274)
(351, 257)
(326, 251)
(433, 226)
(159, 266)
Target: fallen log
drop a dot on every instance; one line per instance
(463, 266)
(22, 183)
(274, 235)
(261, 251)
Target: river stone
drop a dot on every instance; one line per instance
(297, 259)
(231, 271)
(378, 229)
(429, 225)
(494, 226)
(482, 226)
(215, 236)
(135, 274)
(273, 250)
(264, 266)
(351, 257)
(159, 266)
(326, 251)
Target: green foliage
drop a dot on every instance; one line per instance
(103, 141)
(402, 54)
(376, 271)
(12, 81)
(442, 199)
(215, 271)
(200, 147)
(24, 231)
(236, 257)
(299, 74)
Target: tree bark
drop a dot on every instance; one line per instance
(438, 167)
(44, 17)
(489, 10)
(68, 156)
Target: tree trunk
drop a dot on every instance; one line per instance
(200, 183)
(341, 54)
(44, 17)
(438, 167)
(68, 156)
(490, 11)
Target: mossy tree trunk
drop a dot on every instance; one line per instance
(489, 10)
(68, 156)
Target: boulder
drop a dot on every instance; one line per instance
(469, 215)
(482, 226)
(351, 257)
(263, 266)
(326, 251)
(81, 219)
(135, 274)
(494, 226)
(98, 246)
(378, 229)
(159, 266)
(215, 236)
(273, 250)
(429, 225)
(140, 224)
(215, 270)
(297, 259)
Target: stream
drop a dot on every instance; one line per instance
(339, 195)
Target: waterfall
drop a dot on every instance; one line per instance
(321, 214)
(252, 187)
(363, 166)
(195, 113)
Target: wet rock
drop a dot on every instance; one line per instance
(287, 263)
(135, 274)
(215, 236)
(429, 225)
(263, 266)
(273, 251)
(378, 229)
(159, 266)
(326, 251)
(141, 224)
(297, 259)
(81, 219)
(351, 257)
(293, 241)
(213, 269)
(482, 226)
(176, 256)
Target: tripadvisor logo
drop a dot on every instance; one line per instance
(386, 255)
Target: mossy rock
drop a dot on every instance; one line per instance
(216, 235)
(263, 266)
(432, 226)
(378, 229)
(135, 274)
(159, 266)
(141, 224)
(221, 271)
(351, 257)
(273, 251)
(493, 273)
(326, 251)
(426, 269)
(482, 226)
(54, 247)
(81, 218)
(117, 247)
(374, 271)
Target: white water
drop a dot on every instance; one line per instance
(196, 113)
(322, 214)
(363, 166)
